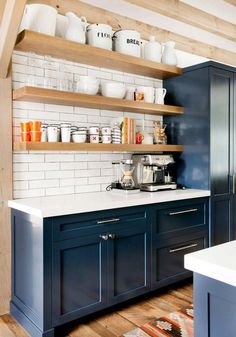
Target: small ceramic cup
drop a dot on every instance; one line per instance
(52, 133)
(106, 130)
(94, 130)
(106, 139)
(44, 132)
(94, 138)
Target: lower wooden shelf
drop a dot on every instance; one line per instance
(37, 146)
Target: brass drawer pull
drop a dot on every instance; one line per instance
(183, 248)
(183, 212)
(108, 221)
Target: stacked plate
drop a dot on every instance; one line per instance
(116, 135)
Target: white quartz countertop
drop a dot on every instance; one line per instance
(88, 202)
(217, 262)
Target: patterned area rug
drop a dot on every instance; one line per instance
(175, 324)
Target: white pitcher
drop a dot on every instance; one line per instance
(152, 50)
(160, 95)
(76, 28)
(39, 18)
(169, 54)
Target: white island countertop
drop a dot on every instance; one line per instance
(217, 262)
(44, 207)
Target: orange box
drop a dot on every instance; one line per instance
(35, 126)
(35, 136)
(25, 137)
(25, 127)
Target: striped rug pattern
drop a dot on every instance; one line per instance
(175, 324)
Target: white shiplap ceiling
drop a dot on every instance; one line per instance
(217, 8)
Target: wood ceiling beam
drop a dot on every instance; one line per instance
(98, 15)
(180, 11)
(232, 2)
(12, 14)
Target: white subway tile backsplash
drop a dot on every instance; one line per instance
(41, 173)
(43, 166)
(59, 190)
(44, 183)
(59, 174)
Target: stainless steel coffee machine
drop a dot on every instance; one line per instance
(153, 172)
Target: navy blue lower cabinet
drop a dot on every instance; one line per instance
(67, 267)
(214, 308)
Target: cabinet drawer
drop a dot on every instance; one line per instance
(179, 216)
(70, 226)
(169, 260)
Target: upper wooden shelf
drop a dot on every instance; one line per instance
(49, 96)
(42, 44)
(38, 146)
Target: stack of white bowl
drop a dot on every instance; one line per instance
(116, 135)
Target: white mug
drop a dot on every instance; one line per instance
(94, 139)
(52, 133)
(149, 93)
(106, 139)
(160, 95)
(65, 134)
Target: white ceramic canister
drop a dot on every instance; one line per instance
(160, 95)
(99, 35)
(127, 41)
(152, 50)
(169, 53)
(65, 132)
(94, 139)
(52, 133)
(147, 138)
(39, 18)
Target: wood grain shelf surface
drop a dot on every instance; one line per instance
(42, 44)
(37, 146)
(50, 96)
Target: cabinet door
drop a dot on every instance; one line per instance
(129, 254)
(79, 272)
(221, 154)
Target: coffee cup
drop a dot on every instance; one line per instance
(52, 133)
(106, 139)
(149, 93)
(94, 139)
(160, 95)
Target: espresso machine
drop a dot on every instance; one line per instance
(153, 172)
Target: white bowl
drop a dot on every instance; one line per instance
(113, 89)
(79, 138)
(87, 85)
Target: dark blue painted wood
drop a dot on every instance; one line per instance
(214, 308)
(129, 261)
(63, 270)
(207, 131)
(79, 277)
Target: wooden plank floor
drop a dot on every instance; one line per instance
(118, 322)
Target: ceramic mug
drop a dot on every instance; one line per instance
(149, 93)
(94, 139)
(106, 139)
(139, 138)
(65, 134)
(52, 133)
(94, 130)
(160, 95)
(106, 131)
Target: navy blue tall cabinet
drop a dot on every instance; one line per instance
(208, 131)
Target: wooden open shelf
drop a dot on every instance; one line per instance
(42, 44)
(49, 96)
(37, 146)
